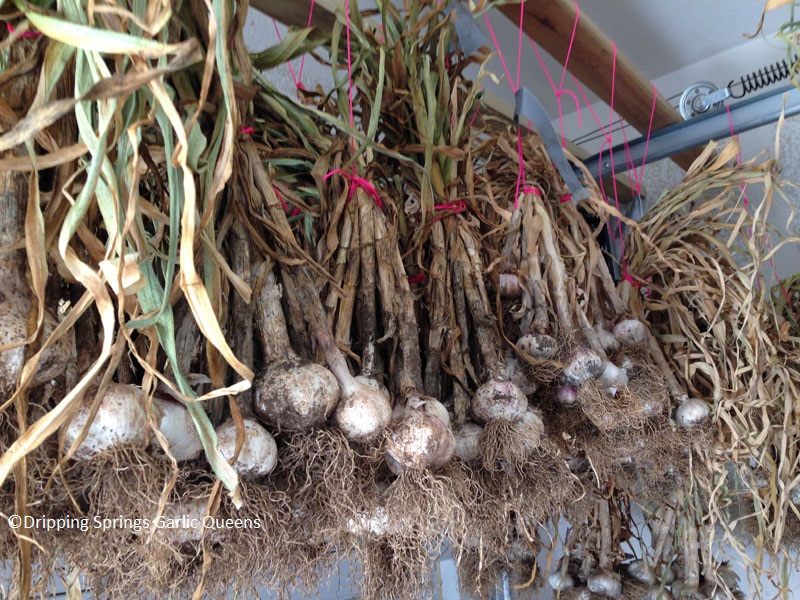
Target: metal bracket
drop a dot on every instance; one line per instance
(470, 37)
(529, 107)
(743, 116)
(700, 98)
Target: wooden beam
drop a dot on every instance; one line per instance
(550, 23)
(295, 12)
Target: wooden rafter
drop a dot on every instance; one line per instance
(295, 12)
(592, 60)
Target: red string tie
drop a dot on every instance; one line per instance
(247, 130)
(27, 34)
(455, 207)
(565, 198)
(285, 206)
(626, 276)
(355, 183)
(531, 190)
(417, 278)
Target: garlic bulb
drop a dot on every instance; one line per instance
(509, 285)
(693, 413)
(567, 395)
(418, 440)
(468, 441)
(585, 364)
(295, 396)
(498, 399)
(177, 426)
(538, 345)
(629, 332)
(120, 420)
(259, 453)
(560, 580)
(605, 583)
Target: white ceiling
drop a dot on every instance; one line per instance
(660, 37)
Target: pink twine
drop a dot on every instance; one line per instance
(417, 278)
(456, 207)
(285, 206)
(247, 130)
(357, 182)
(26, 34)
(288, 63)
(631, 280)
(531, 190)
(303, 60)
(565, 198)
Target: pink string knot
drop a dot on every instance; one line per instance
(27, 34)
(417, 278)
(247, 130)
(455, 207)
(285, 206)
(528, 189)
(626, 276)
(565, 198)
(355, 183)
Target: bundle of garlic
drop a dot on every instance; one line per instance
(722, 336)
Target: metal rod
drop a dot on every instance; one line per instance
(740, 117)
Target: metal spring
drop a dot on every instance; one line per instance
(763, 77)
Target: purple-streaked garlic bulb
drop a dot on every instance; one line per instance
(120, 420)
(259, 453)
(567, 395)
(498, 399)
(418, 440)
(585, 364)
